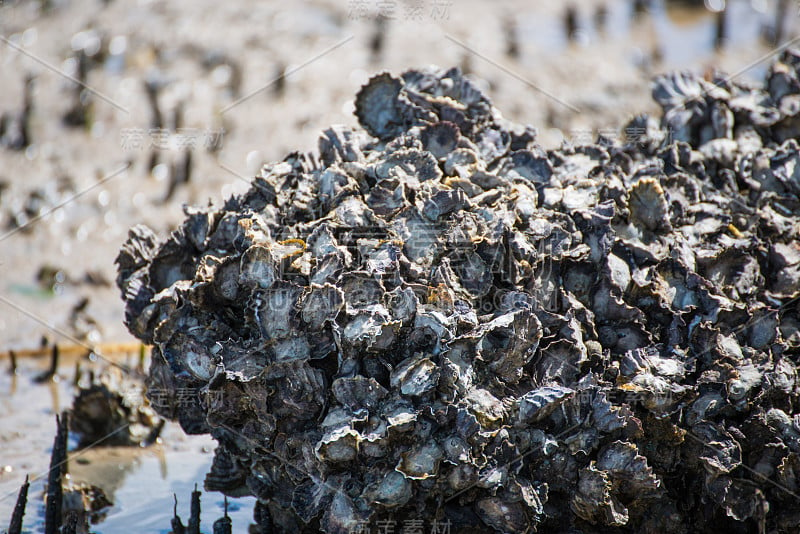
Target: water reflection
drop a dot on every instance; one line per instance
(660, 33)
(140, 482)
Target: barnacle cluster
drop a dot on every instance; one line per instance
(433, 317)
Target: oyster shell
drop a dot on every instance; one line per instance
(436, 318)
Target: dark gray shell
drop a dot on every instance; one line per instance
(378, 108)
(435, 318)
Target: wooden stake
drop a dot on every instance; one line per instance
(15, 527)
(223, 525)
(12, 369)
(51, 372)
(194, 517)
(58, 466)
(177, 524)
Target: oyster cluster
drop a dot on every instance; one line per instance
(110, 409)
(436, 319)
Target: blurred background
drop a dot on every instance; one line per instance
(119, 112)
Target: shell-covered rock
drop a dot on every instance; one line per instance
(434, 318)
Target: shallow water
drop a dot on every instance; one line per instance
(140, 482)
(681, 34)
(148, 481)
